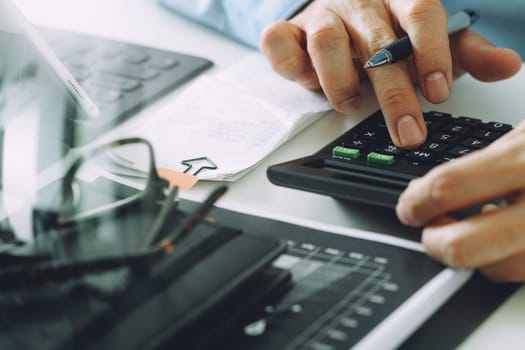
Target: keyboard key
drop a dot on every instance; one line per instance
(108, 51)
(131, 71)
(116, 82)
(163, 63)
(103, 95)
(135, 57)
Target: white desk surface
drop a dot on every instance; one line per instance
(144, 22)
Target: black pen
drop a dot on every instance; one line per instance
(402, 48)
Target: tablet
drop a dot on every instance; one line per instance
(35, 89)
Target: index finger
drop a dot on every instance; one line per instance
(372, 30)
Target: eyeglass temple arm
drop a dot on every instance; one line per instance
(56, 271)
(169, 242)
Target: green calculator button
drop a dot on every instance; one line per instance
(379, 158)
(340, 151)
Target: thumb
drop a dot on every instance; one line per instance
(474, 54)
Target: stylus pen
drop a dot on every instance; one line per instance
(402, 48)
(67, 79)
(65, 76)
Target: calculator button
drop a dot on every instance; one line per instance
(447, 158)
(432, 124)
(445, 137)
(378, 158)
(487, 134)
(437, 115)
(370, 134)
(345, 152)
(475, 143)
(421, 156)
(498, 126)
(461, 151)
(456, 129)
(356, 143)
(389, 148)
(434, 146)
(468, 121)
(435, 120)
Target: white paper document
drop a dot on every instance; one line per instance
(234, 118)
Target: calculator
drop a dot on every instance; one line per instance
(364, 165)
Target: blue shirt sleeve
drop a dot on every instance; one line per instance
(243, 20)
(503, 25)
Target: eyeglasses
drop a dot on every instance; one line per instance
(79, 231)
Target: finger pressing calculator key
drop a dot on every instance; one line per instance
(364, 165)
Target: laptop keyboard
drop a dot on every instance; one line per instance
(121, 78)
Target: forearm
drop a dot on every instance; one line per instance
(243, 20)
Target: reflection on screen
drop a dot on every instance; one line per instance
(31, 96)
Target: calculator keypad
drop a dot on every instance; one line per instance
(448, 139)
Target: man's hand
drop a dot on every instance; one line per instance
(494, 240)
(325, 46)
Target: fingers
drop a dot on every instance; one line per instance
(371, 30)
(317, 55)
(494, 172)
(425, 22)
(317, 48)
(482, 240)
(475, 55)
(333, 28)
(511, 269)
(329, 47)
(281, 43)
(493, 242)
